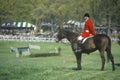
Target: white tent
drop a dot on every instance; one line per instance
(19, 25)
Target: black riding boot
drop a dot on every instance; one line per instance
(79, 49)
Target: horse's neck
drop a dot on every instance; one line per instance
(71, 36)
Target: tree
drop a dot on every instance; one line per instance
(15, 10)
(106, 9)
(58, 11)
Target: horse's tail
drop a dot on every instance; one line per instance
(108, 49)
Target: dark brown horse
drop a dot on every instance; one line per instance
(99, 42)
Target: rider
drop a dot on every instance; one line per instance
(87, 31)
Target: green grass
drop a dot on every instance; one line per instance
(54, 67)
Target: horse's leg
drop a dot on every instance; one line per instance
(112, 61)
(110, 56)
(78, 59)
(102, 59)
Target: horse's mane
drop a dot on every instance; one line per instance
(71, 36)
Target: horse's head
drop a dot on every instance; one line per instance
(59, 35)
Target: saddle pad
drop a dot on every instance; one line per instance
(84, 39)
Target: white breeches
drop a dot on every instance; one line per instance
(80, 38)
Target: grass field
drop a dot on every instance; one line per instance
(54, 67)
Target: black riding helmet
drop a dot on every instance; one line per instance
(86, 15)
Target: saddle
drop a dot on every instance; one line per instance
(84, 39)
(92, 41)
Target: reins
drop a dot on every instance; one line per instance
(71, 38)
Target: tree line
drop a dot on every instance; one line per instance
(59, 11)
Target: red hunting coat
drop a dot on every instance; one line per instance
(88, 29)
